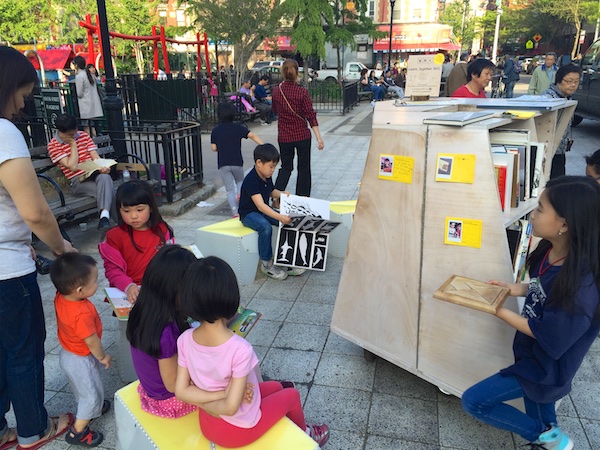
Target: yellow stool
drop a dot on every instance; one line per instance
(139, 430)
(342, 212)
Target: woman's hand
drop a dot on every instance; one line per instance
(320, 143)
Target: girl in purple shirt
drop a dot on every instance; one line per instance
(155, 323)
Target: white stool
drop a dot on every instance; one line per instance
(342, 212)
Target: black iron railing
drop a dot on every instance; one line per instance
(175, 146)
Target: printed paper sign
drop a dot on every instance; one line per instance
(396, 168)
(455, 168)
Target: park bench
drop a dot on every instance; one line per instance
(67, 207)
(241, 114)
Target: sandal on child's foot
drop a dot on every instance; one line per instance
(9, 439)
(58, 427)
(86, 437)
(287, 384)
(319, 433)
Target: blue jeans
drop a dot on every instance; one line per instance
(509, 87)
(261, 223)
(485, 401)
(22, 336)
(378, 92)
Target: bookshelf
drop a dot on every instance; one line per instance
(397, 256)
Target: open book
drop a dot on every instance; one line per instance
(241, 323)
(91, 166)
(472, 293)
(459, 119)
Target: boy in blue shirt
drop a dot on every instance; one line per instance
(256, 213)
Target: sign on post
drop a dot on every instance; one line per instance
(537, 37)
(529, 44)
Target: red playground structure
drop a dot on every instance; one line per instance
(155, 38)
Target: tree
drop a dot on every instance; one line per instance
(574, 12)
(240, 22)
(24, 20)
(463, 25)
(320, 21)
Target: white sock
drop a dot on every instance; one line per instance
(265, 263)
(104, 213)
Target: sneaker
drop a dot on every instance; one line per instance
(42, 265)
(104, 223)
(273, 272)
(265, 124)
(86, 438)
(554, 439)
(372, 103)
(319, 433)
(294, 272)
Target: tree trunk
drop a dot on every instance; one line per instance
(339, 63)
(576, 40)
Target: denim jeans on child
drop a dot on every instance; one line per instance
(485, 401)
(22, 336)
(261, 223)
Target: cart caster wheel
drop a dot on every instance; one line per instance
(370, 357)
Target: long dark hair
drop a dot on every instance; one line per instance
(158, 302)
(79, 62)
(577, 201)
(139, 192)
(15, 72)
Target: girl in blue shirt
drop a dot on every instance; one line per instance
(560, 319)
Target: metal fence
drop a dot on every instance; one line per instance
(174, 148)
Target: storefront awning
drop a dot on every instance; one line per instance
(411, 38)
(280, 43)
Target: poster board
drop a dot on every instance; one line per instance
(424, 75)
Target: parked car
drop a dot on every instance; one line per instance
(350, 72)
(524, 61)
(262, 64)
(588, 92)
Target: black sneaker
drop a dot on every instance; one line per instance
(42, 265)
(104, 223)
(87, 437)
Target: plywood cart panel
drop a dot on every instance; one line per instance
(397, 255)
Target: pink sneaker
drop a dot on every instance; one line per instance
(319, 433)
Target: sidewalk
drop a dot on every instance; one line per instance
(368, 406)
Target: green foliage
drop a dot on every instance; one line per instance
(23, 20)
(307, 34)
(242, 23)
(463, 26)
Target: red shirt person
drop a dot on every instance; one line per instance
(479, 75)
(294, 109)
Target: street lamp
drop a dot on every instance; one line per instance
(392, 3)
(112, 103)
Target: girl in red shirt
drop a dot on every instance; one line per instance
(128, 248)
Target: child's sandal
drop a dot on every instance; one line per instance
(9, 439)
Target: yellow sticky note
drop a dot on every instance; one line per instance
(396, 168)
(455, 168)
(463, 232)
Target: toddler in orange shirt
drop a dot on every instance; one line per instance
(75, 277)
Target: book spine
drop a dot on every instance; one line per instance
(501, 182)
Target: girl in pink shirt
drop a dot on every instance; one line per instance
(213, 359)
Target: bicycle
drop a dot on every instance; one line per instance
(497, 87)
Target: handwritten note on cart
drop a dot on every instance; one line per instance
(396, 168)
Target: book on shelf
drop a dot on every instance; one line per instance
(537, 158)
(506, 160)
(500, 172)
(522, 250)
(472, 293)
(459, 119)
(92, 166)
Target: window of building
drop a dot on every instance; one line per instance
(371, 9)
